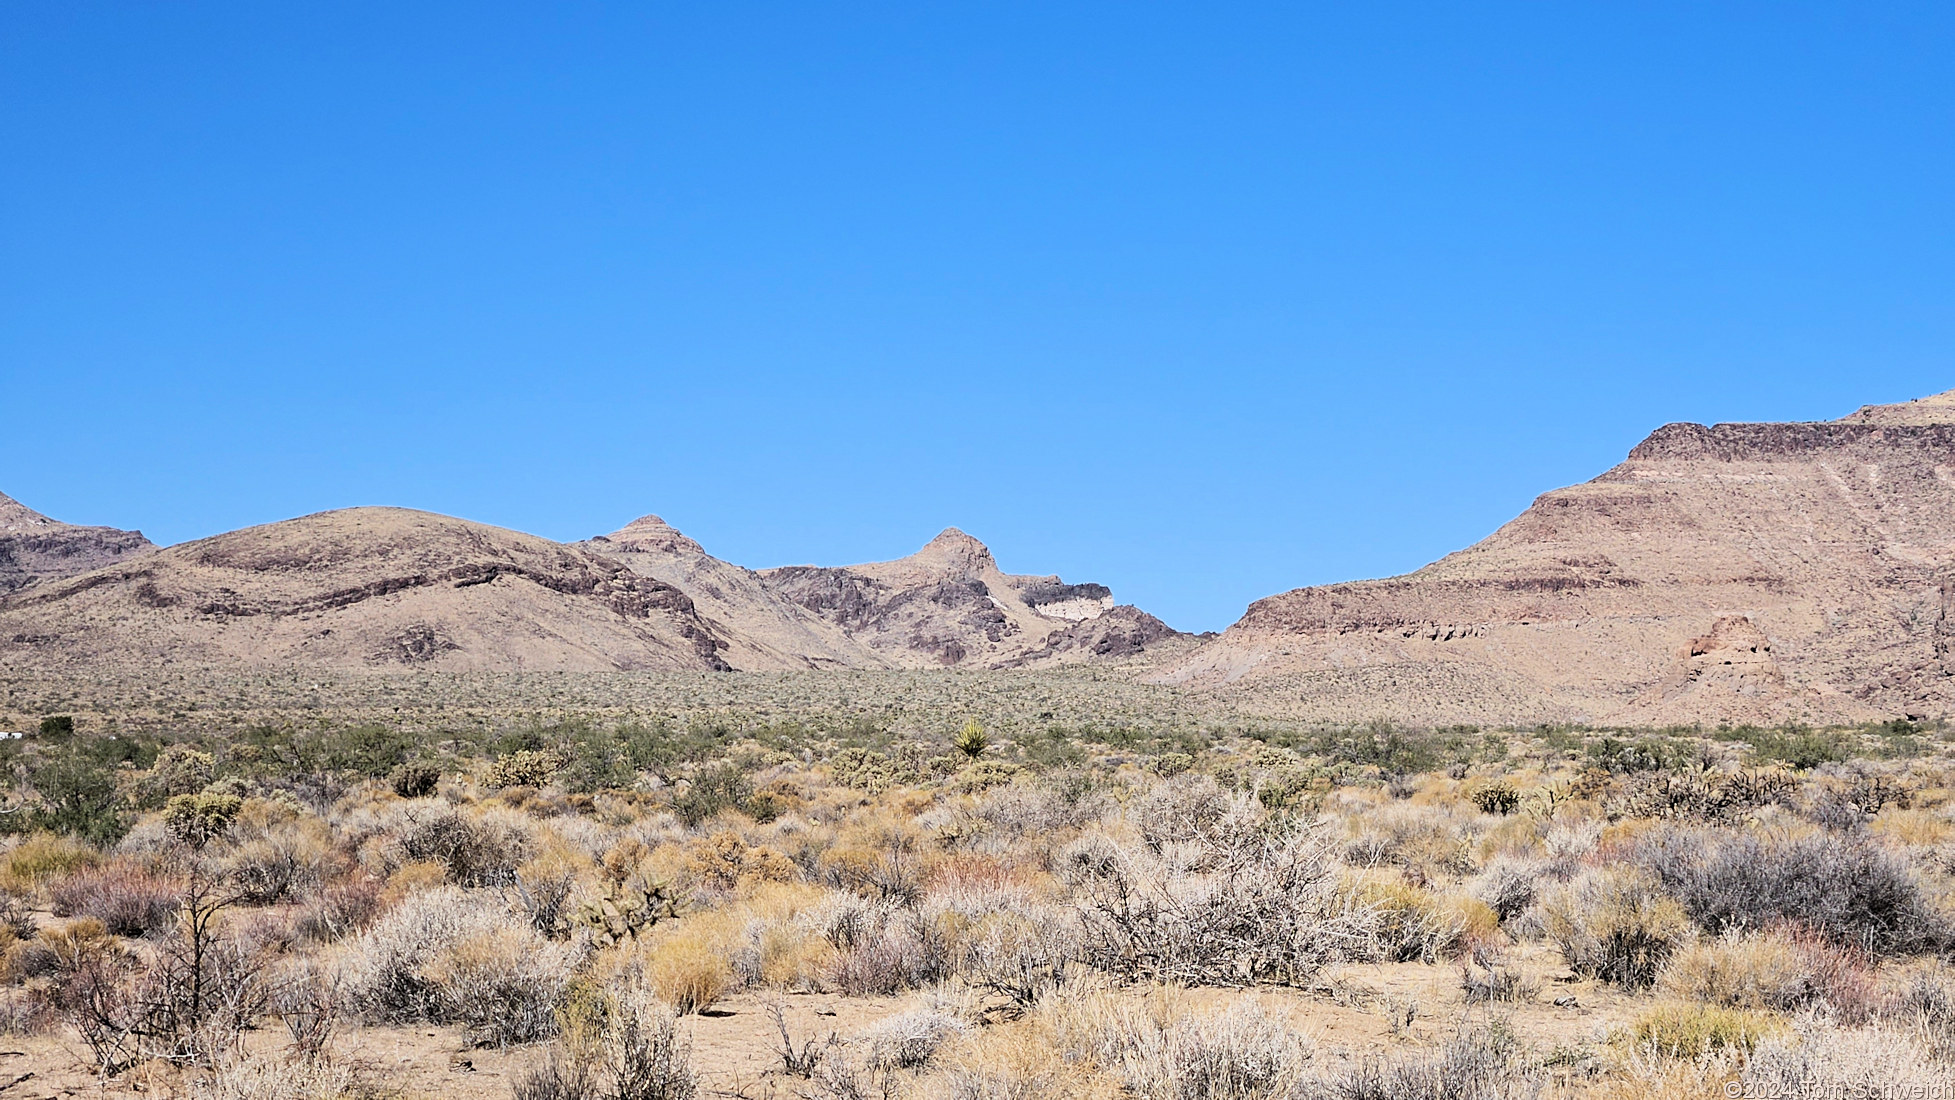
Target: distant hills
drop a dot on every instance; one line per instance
(1738, 572)
(380, 588)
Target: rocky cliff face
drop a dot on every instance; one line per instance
(1798, 569)
(949, 605)
(35, 549)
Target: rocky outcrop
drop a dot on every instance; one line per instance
(1799, 567)
(1733, 657)
(35, 549)
(763, 629)
(948, 605)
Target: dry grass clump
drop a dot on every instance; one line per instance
(41, 858)
(282, 1079)
(1476, 1064)
(1160, 1050)
(1412, 924)
(1683, 1030)
(1777, 971)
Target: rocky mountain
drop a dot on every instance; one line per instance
(948, 604)
(380, 588)
(1801, 571)
(763, 629)
(361, 588)
(34, 548)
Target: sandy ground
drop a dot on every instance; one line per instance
(1352, 1012)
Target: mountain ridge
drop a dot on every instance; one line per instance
(1834, 541)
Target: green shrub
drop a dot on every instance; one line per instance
(77, 786)
(370, 750)
(1798, 748)
(724, 787)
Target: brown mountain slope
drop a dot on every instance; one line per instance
(949, 605)
(1742, 571)
(763, 629)
(35, 549)
(363, 587)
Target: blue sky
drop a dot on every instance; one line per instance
(1204, 302)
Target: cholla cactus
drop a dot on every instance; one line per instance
(625, 911)
(523, 768)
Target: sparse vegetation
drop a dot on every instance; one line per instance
(585, 892)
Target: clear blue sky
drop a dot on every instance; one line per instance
(1204, 302)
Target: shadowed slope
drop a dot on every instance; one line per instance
(35, 549)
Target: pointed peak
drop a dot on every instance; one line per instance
(1936, 408)
(651, 534)
(15, 516)
(957, 550)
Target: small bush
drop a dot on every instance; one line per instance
(1264, 907)
(281, 1079)
(1801, 749)
(1485, 979)
(1158, 1053)
(502, 984)
(691, 967)
(1475, 1065)
(198, 819)
(79, 797)
(179, 769)
(907, 1040)
(16, 919)
(624, 1046)
(1820, 1059)
(1616, 925)
(475, 851)
(713, 790)
(391, 967)
(338, 911)
(128, 900)
(1410, 923)
(1507, 888)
